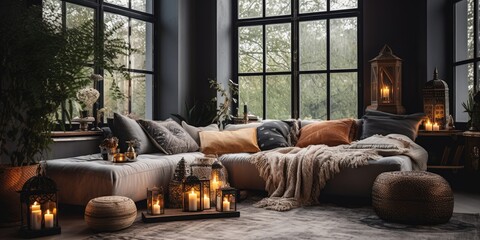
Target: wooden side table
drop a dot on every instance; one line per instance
(445, 148)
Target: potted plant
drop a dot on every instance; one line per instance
(41, 67)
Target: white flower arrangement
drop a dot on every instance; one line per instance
(88, 96)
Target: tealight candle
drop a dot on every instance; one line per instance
(48, 219)
(206, 202)
(226, 205)
(156, 208)
(192, 201)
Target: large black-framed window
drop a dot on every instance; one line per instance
(466, 62)
(298, 58)
(135, 21)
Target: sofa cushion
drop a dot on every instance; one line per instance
(169, 136)
(331, 133)
(376, 122)
(126, 129)
(242, 140)
(233, 127)
(273, 134)
(193, 131)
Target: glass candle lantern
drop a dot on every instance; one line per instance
(435, 102)
(38, 200)
(386, 82)
(217, 178)
(207, 196)
(192, 189)
(226, 199)
(155, 201)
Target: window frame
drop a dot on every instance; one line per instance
(100, 7)
(475, 60)
(295, 18)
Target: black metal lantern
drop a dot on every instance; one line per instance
(217, 177)
(38, 199)
(436, 103)
(155, 201)
(226, 199)
(207, 197)
(192, 189)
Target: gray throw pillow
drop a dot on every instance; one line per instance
(376, 122)
(233, 127)
(126, 129)
(169, 136)
(193, 131)
(273, 134)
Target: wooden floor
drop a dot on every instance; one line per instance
(74, 227)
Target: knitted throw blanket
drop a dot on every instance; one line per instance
(294, 176)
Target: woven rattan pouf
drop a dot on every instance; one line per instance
(110, 213)
(412, 197)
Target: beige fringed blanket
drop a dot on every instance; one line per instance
(294, 176)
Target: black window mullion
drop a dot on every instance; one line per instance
(295, 81)
(328, 63)
(475, 44)
(264, 42)
(99, 28)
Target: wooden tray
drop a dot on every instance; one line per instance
(179, 215)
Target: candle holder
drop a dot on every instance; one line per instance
(193, 195)
(38, 201)
(155, 201)
(217, 179)
(226, 199)
(207, 196)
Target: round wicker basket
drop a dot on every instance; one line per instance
(110, 213)
(412, 197)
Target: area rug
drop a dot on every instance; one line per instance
(316, 222)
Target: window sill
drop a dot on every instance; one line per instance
(72, 136)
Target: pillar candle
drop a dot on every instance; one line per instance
(48, 219)
(206, 202)
(156, 208)
(192, 201)
(435, 127)
(36, 220)
(226, 205)
(428, 126)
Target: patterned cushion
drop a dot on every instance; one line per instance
(169, 136)
(272, 135)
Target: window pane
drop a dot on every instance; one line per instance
(117, 94)
(308, 6)
(251, 93)
(141, 41)
(343, 95)
(116, 27)
(250, 8)
(313, 96)
(343, 44)
(464, 30)
(143, 5)
(250, 49)
(278, 97)
(313, 45)
(463, 87)
(77, 15)
(278, 47)
(278, 7)
(52, 11)
(122, 3)
(343, 4)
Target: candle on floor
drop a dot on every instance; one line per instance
(436, 127)
(192, 201)
(156, 208)
(48, 219)
(226, 205)
(206, 202)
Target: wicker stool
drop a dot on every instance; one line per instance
(110, 213)
(412, 197)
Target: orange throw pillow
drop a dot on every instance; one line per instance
(239, 141)
(331, 133)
